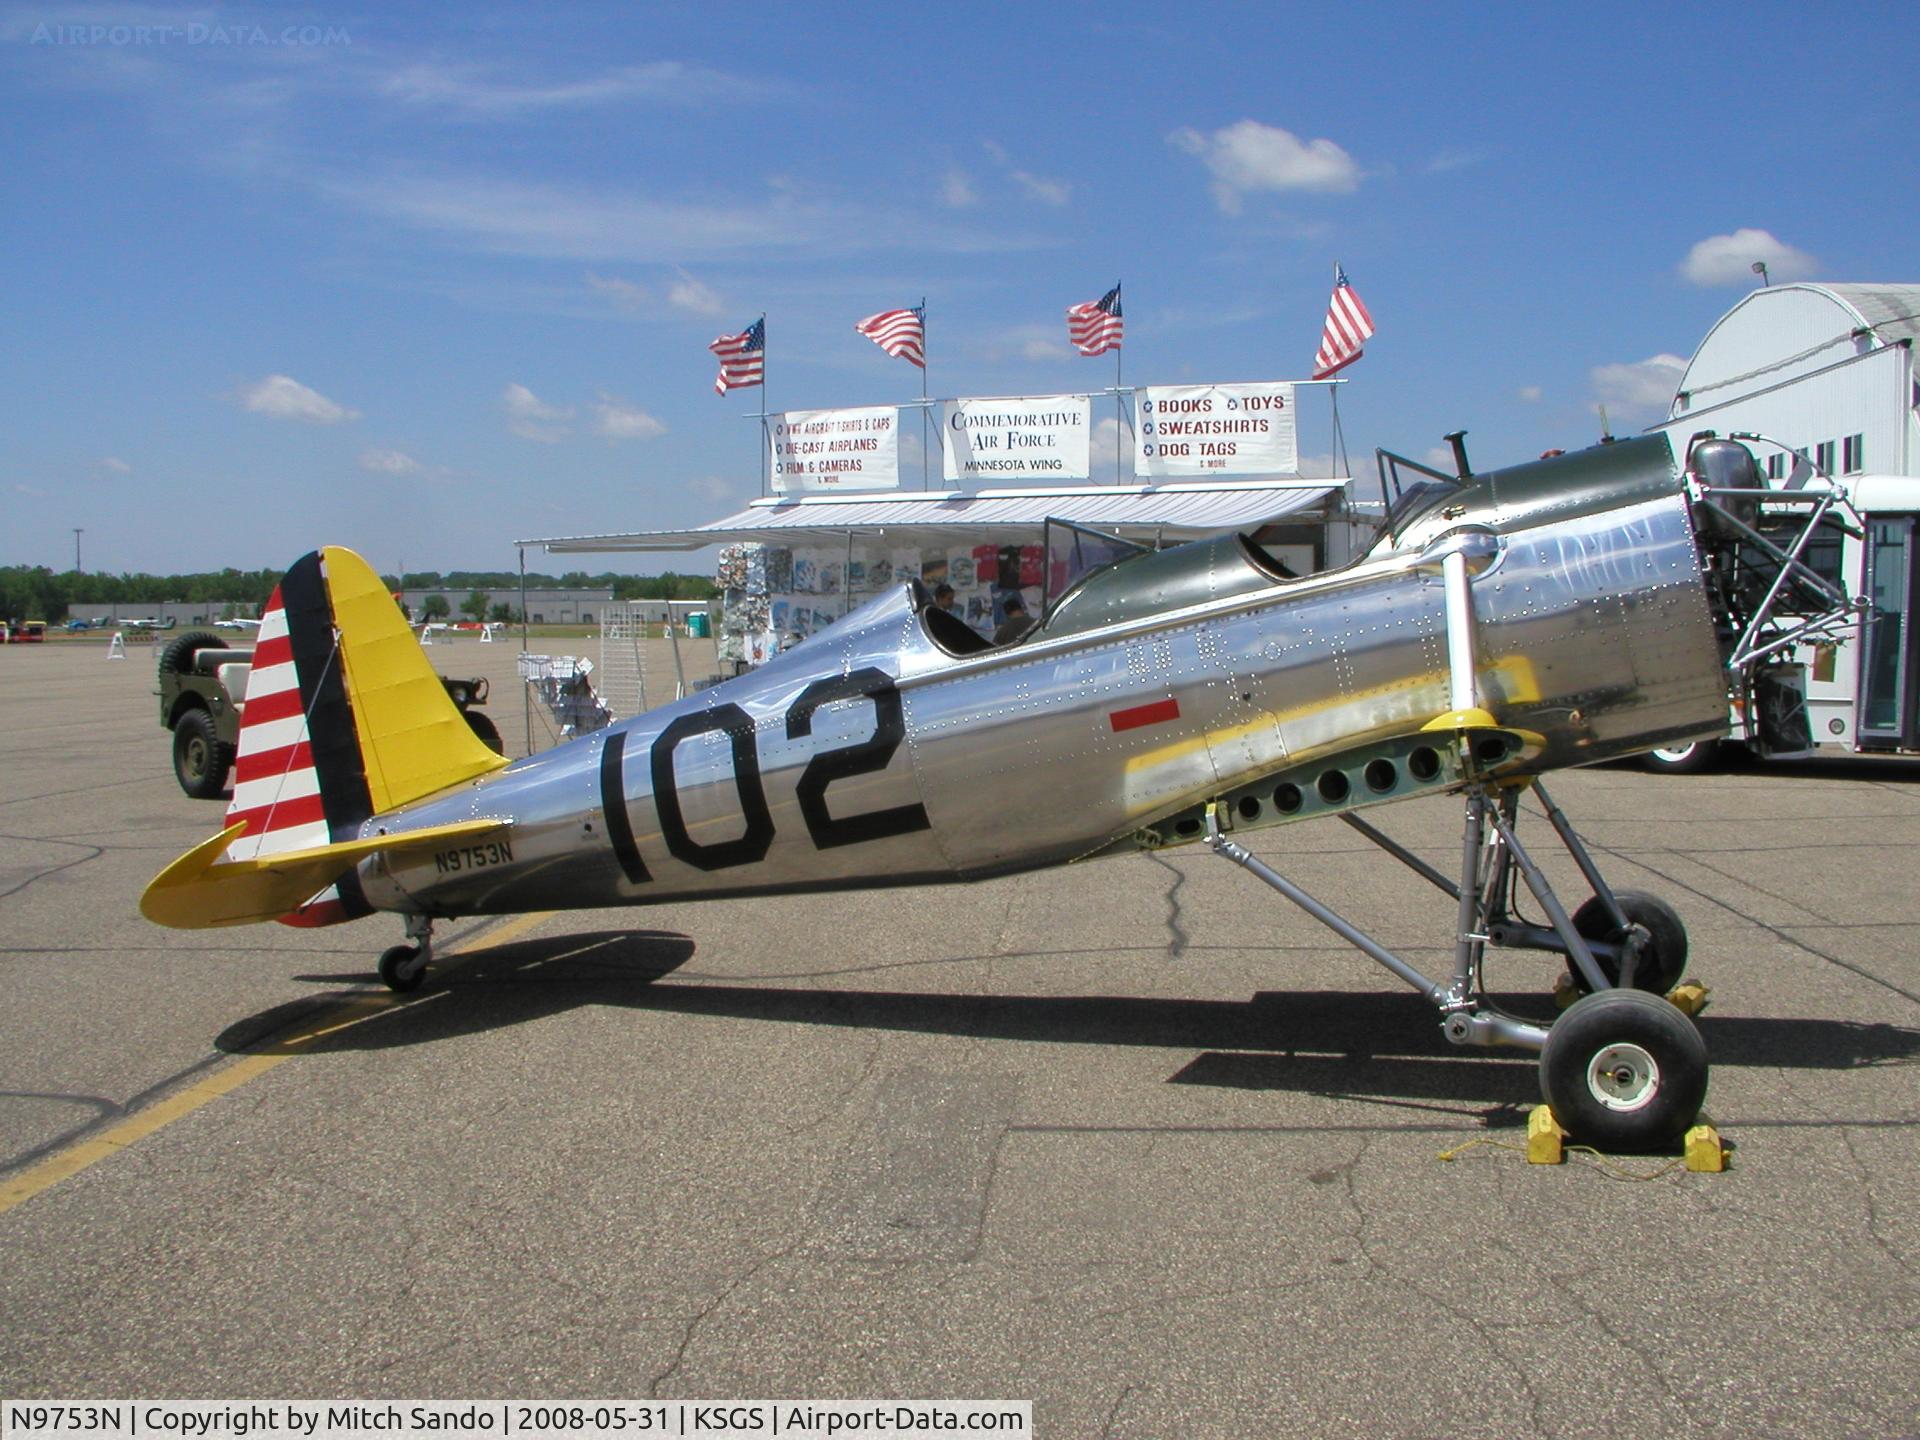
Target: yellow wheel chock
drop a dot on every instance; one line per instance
(1690, 997)
(1705, 1153)
(1546, 1141)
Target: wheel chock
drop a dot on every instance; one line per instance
(1706, 1152)
(1565, 991)
(1689, 998)
(1546, 1141)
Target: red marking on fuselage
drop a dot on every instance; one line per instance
(1139, 715)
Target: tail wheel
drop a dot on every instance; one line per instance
(1624, 1070)
(401, 969)
(201, 759)
(1663, 959)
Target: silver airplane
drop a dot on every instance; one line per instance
(1502, 625)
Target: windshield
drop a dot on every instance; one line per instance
(1075, 552)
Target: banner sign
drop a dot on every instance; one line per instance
(835, 449)
(1031, 437)
(1188, 430)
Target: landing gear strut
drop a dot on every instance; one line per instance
(404, 966)
(1622, 1068)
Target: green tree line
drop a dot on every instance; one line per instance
(33, 592)
(37, 593)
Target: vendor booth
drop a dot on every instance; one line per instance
(792, 564)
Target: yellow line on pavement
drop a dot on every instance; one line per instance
(111, 1141)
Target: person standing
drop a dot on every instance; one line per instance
(1014, 627)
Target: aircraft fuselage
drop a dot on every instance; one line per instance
(872, 755)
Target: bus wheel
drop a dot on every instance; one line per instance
(1694, 759)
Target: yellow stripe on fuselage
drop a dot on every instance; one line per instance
(1522, 686)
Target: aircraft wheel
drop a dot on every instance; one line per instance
(1695, 759)
(402, 970)
(1624, 1070)
(1662, 962)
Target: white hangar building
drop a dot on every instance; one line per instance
(1825, 369)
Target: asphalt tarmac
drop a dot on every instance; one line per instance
(1135, 1140)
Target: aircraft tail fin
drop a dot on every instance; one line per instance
(344, 719)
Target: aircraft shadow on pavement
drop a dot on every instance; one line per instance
(1321, 1042)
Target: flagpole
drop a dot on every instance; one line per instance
(766, 438)
(1338, 443)
(926, 482)
(1119, 405)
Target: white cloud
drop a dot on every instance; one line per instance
(1640, 391)
(1729, 259)
(1450, 160)
(913, 449)
(284, 398)
(531, 418)
(1249, 156)
(630, 297)
(617, 420)
(957, 192)
(389, 462)
(115, 464)
(1047, 192)
(1037, 187)
(626, 295)
(1103, 448)
(581, 222)
(478, 94)
(33, 492)
(1025, 342)
(1530, 394)
(693, 296)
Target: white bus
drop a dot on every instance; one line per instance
(1861, 688)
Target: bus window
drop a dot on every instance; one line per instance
(1889, 580)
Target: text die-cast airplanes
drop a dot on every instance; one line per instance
(1502, 625)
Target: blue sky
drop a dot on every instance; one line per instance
(424, 280)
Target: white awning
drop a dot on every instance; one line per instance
(1142, 512)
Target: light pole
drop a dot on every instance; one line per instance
(1759, 268)
(76, 548)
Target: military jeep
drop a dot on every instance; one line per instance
(203, 686)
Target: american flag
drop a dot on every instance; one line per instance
(743, 357)
(901, 333)
(1096, 327)
(1348, 326)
